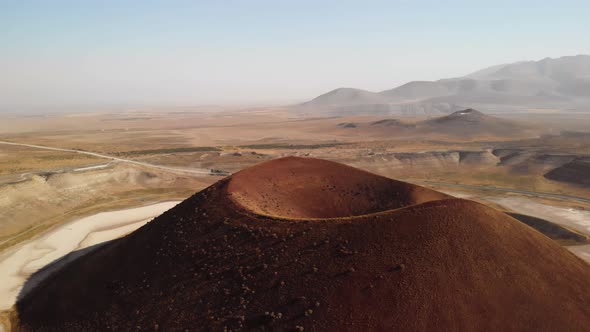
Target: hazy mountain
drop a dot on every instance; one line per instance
(347, 96)
(562, 83)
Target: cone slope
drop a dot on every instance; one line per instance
(421, 262)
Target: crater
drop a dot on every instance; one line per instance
(295, 187)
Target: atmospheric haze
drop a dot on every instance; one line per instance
(87, 56)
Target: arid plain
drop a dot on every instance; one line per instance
(60, 167)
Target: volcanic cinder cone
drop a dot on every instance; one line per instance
(297, 243)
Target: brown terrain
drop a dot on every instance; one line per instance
(299, 244)
(462, 125)
(551, 158)
(576, 172)
(472, 123)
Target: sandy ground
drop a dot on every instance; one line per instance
(40, 201)
(581, 251)
(17, 264)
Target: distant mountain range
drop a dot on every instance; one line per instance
(561, 83)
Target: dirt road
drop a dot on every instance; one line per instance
(199, 171)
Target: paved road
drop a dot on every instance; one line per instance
(509, 190)
(201, 171)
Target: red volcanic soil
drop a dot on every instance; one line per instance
(314, 188)
(417, 261)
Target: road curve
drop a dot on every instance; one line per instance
(508, 190)
(200, 171)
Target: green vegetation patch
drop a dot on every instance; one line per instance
(291, 146)
(167, 150)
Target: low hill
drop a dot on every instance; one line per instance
(299, 244)
(347, 125)
(471, 123)
(464, 124)
(346, 96)
(575, 172)
(392, 123)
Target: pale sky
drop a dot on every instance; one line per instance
(84, 54)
